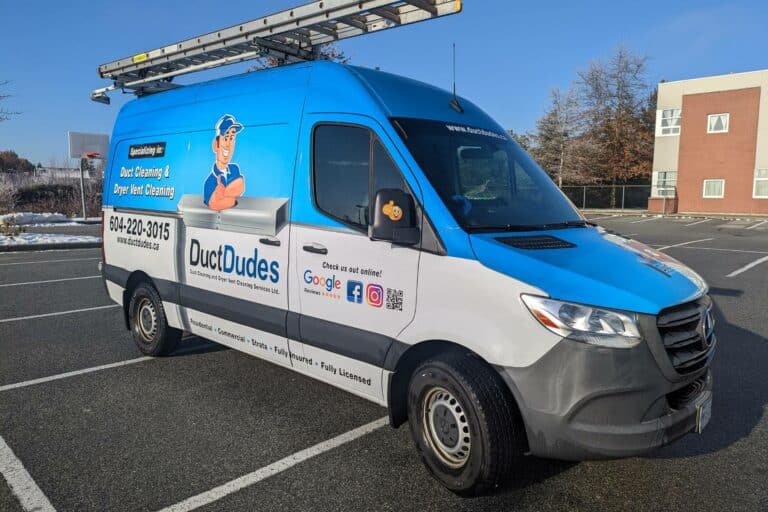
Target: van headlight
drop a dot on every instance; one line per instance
(587, 324)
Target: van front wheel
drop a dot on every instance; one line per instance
(464, 422)
(149, 326)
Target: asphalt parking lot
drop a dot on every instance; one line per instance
(86, 423)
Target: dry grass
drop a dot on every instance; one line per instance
(36, 194)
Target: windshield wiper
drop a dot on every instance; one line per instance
(527, 227)
(566, 224)
(499, 228)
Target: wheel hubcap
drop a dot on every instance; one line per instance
(446, 427)
(146, 320)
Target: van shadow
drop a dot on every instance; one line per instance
(740, 389)
(536, 471)
(194, 345)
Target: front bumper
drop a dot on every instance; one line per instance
(582, 402)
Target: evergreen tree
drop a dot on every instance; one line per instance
(615, 98)
(524, 139)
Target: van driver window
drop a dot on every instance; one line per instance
(341, 167)
(385, 172)
(342, 171)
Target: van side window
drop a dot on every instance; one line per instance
(341, 168)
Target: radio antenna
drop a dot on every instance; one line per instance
(454, 70)
(455, 105)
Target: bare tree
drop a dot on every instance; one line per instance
(5, 114)
(325, 52)
(559, 142)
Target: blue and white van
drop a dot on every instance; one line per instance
(385, 237)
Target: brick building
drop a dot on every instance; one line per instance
(711, 151)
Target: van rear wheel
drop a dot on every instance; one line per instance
(465, 424)
(149, 326)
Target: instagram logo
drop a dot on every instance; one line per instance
(374, 295)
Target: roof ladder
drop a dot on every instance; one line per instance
(293, 35)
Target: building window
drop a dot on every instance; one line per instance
(714, 189)
(761, 184)
(718, 123)
(668, 122)
(665, 183)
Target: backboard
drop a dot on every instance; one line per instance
(88, 145)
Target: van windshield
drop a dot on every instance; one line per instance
(487, 181)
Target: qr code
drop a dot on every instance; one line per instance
(394, 299)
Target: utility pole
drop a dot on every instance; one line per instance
(82, 184)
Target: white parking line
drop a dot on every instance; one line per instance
(590, 219)
(726, 250)
(74, 373)
(644, 220)
(684, 243)
(21, 483)
(59, 313)
(49, 281)
(698, 222)
(747, 267)
(45, 261)
(60, 376)
(273, 469)
(757, 225)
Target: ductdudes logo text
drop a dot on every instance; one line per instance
(225, 259)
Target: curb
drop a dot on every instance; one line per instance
(646, 213)
(49, 247)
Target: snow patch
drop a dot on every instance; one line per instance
(43, 238)
(26, 218)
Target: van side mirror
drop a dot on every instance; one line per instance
(394, 218)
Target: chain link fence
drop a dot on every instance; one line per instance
(614, 197)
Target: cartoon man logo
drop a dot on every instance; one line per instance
(225, 183)
(391, 210)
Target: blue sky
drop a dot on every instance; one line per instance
(510, 53)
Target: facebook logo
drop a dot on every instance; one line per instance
(355, 292)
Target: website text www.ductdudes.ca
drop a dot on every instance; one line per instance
(138, 242)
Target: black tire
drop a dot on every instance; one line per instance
(149, 326)
(464, 400)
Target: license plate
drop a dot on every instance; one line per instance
(703, 414)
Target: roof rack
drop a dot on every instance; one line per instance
(288, 36)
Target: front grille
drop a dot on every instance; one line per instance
(536, 242)
(688, 333)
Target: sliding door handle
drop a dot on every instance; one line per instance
(270, 241)
(316, 249)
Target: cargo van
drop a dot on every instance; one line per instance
(389, 238)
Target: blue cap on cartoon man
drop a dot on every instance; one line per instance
(226, 122)
(225, 183)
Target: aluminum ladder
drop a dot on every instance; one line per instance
(288, 36)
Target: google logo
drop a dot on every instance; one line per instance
(329, 283)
